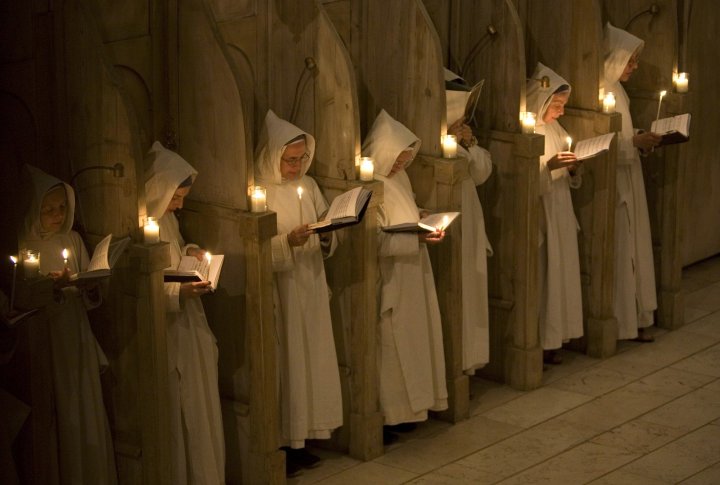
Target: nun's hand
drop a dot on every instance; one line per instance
(562, 160)
(646, 141)
(61, 278)
(299, 235)
(195, 289)
(462, 132)
(431, 237)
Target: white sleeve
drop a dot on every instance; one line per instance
(172, 297)
(282, 254)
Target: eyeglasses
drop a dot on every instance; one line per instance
(295, 161)
(634, 62)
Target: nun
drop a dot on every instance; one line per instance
(310, 393)
(475, 244)
(411, 355)
(634, 289)
(197, 443)
(560, 303)
(85, 449)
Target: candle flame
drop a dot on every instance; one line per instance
(300, 192)
(65, 253)
(682, 76)
(13, 259)
(208, 256)
(568, 140)
(446, 221)
(663, 93)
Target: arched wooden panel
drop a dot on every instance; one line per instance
(401, 64)
(211, 128)
(101, 130)
(498, 58)
(337, 114)
(567, 36)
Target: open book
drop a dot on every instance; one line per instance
(673, 130)
(191, 269)
(462, 101)
(592, 146)
(103, 259)
(431, 223)
(346, 209)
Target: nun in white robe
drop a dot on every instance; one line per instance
(560, 306)
(411, 355)
(475, 244)
(198, 446)
(634, 295)
(310, 393)
(85, 447)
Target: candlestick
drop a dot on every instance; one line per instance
(568, 142)
(12, 291)
(367, 169)
(681, 83)
(65, 254)
(151, 231)
(608, 103)
(449, 146)
(662, 95)
(527, 122)
(300, 192)
(31, 264)
(258, 199)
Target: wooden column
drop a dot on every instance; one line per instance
(266, 462)
(672, 167)
(595, 205)
(353, 275)
(447, 177)
(523, 353)
(153, 362)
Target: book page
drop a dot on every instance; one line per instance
(191, 263)
(680, 123)
(343, 205)
(100, 256)
(592, 146)
(439, 221)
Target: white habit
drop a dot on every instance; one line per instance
(475, 247)
(198, 446)
(411, 355)
(635, 298)
(560, 292)
(310, 380)
(84, 442)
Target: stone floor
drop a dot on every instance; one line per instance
(648, 415)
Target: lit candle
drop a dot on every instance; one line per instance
(151, 231)
(681, 83)
(12, 291)
(449, 146)
(300, 192)
(662, 95)
(258, 199)
(527, 121)
(608, 103)
(208, 258)
(568, 142)
(31, 264)
(367, 168)
(65, 254)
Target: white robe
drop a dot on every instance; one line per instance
(411, 357)
(198, 445)
(560, 306)
(634, 296)
(310, 379)
(85, 445)
(475, 250)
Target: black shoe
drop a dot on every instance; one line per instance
(302, 458)
(402, 427)
(292, 469)
(389, 437)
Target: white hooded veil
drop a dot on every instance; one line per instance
(274, 138)
(40, 184)
(167, 171)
